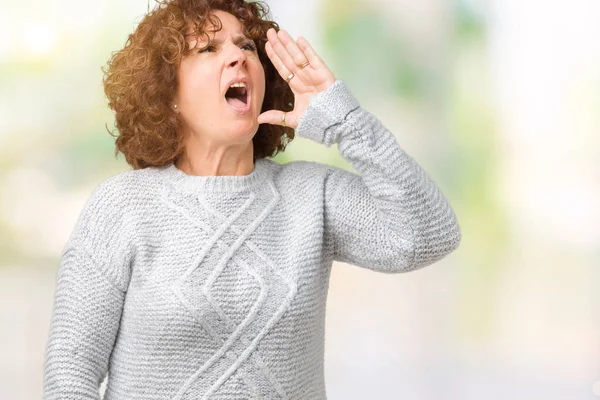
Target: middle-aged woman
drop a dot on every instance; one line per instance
(203, 272)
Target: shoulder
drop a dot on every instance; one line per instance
(302, 174)
(112, 202)
(119, 192)
(302, 170)
(103, 231)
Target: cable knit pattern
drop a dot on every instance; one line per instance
(214, 287)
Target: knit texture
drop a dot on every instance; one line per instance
(214, 287)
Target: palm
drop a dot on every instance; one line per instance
(287, 56)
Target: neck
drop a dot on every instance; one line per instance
(220, 161)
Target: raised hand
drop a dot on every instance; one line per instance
(299, 64)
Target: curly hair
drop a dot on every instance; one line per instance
(140, 80)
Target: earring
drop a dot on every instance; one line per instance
(175, 106)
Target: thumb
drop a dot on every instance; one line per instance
(275, 117)
(272, 117)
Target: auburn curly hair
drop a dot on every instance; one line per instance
(140, 80)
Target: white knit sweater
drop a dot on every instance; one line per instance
(214, 287)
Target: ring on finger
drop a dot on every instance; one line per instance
(283, 120)
(304, 64)
(289, 78)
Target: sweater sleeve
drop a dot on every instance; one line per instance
(391, 217)
(92, 279)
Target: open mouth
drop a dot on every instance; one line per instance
(237, 97)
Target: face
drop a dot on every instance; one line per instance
(205, 77)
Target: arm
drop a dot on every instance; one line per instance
(390, 218)
(90, 290)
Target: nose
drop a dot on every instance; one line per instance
(237, 57)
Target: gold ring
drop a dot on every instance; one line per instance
(283, 120)
(289, 78)
(305, 64)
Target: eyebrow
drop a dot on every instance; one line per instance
(237, 39)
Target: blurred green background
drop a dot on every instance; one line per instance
(498, 100)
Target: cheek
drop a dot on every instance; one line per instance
(260, 80)
(195, 82)
(197, 85)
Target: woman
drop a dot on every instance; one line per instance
(203, 272)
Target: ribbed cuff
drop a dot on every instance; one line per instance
(326, 109)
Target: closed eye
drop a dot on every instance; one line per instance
(246, 46)
(207, 48)
(249, 46)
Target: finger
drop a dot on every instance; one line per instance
(312, 55)
(275, 117)
(297, 55)
(283, 53)
(279, 65)
(271, 35)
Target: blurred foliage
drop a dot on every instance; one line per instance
(365, 50)
(474, 132)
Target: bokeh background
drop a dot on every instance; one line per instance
(498, 100)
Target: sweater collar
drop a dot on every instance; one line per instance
(182, 182)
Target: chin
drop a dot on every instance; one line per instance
(244, 130)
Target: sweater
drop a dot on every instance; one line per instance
(174, 286)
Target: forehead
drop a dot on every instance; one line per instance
(227, 19)
(229, 25)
